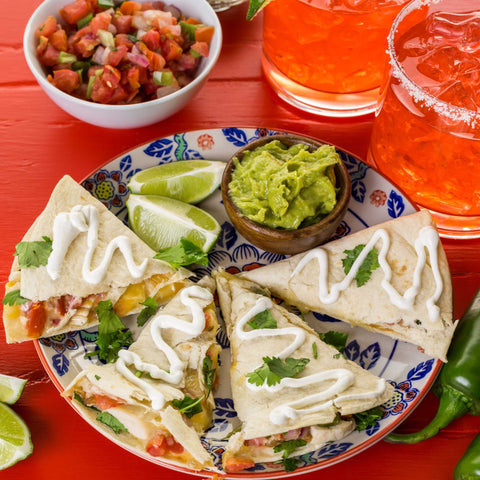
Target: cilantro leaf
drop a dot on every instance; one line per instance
(288, 447)
(33, 254)
(208, 373)
(110, 421)
(150, 308)
(112, 334)
(274, 369)
(367, 419)
(366, 268)
(335, 339)
(185, 253)
(188, 406)
(263, 320)
(14, 298)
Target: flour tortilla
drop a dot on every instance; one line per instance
(106, 380)
(369, 306)
(237, 296)
(35, 284)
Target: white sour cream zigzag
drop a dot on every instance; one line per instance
(319, 401)
(159, 322)
(428, 238)
(85, 218)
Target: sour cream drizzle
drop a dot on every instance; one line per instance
(427, 239)
(342, 377)
(84, 218)
(174, 376)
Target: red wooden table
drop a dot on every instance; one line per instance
(39, 143)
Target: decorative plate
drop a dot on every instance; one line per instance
(374, 200)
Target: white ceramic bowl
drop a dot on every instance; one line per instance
(124, 116)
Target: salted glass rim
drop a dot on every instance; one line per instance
(453, 112)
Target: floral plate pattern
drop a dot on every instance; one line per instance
(374, 200)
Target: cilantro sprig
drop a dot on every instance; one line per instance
(366, 268)
(14, 298)
(33, 254)
(103, 417)
(335, 339)
(112, 333)
(150, 307)
(368, 418)
(274, 369)
(288, 447)
(208, 373)
(263, 320)
(183, 254)
(188, 406)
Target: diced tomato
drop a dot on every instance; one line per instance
(193, 21)
(186, 62)
(86, 45)
(130, 7)
(46, 28)
(234, 465)
(58, 39)
(104, 87)
(67, 81)
(122, 23)
(162, 443)
(49, 56)
(116, 56)
(204, 34)
(103, 402)
(133, 76)
(152, 39)
(123, 39)
(73, 12)
(157, 62)
(171, 50)
(174, 447)
(201, 48)
(100, 21)
(36, 319)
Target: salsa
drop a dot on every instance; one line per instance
(285, 187)
(132, 53)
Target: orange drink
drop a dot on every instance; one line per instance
(426, 135)
(328, 56)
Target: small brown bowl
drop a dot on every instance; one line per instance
(282, 241)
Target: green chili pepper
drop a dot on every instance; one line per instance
(458, 384)
(468, 468)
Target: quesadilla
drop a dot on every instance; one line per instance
(392, 278)
(157, 397)
(289, 388)
(76, 254)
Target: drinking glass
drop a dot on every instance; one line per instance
(327, 56)
(426, 134)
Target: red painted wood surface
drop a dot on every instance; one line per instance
(39, 143)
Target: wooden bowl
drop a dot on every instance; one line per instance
(279, 240)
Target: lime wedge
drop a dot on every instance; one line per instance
(11, 388)
(161, 222)
(190, 181)
(256, 6)
(15, 441)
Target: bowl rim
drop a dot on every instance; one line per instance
(343, 196)
(30, 57)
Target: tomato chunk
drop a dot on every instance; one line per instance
(161, 444)
(73, 12)
(103, 402)
(66, 80)
(36, 319)
(46, 28)
(234, 465)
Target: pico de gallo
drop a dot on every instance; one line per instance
(121, 54)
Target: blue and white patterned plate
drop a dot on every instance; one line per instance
(374, 200)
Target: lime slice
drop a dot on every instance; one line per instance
(15, 441)
(11, 388)
(190, 181)
(161, 222)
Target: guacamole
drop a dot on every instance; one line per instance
(285, 187)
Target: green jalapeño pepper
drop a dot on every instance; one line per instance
(458, 384)
(468, 468)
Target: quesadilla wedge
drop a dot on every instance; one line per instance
(289, 388)
(76, 254)
(392, 278)
(157, 396)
